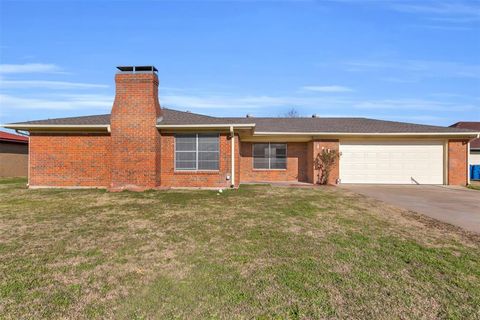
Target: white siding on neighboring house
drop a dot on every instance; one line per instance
(475, 157)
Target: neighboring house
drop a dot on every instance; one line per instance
(13, 155)
(474, 144)
(141, 145)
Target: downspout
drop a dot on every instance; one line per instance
(232, 151)
(468, 163)
(446, 160)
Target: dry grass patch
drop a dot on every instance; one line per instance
(259, 252)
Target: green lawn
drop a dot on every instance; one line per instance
(259, 253)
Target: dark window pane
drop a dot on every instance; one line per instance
(260, 150)
(190, 156)
(270, 156)
(209, 156)
(278, 163)
(260, 156)
(208, 142)
(260, 163)
(278, 150)
(208, 165)
(185, 165)
(185, 156)
(185, 142)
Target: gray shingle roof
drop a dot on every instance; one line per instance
(101, 119)
(343, 125)
(320, 124)
(474, 144)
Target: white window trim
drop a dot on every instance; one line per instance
(196, 154)
(269, 166)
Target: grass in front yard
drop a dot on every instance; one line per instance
(259, 252)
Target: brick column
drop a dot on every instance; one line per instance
(457, 162)
(135, 138)
(313, 149)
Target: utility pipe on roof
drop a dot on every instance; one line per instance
(232, 151)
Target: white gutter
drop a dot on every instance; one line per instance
(232, 151)
(446, 160)
(195, 126)
(56, 126)
(465, 134)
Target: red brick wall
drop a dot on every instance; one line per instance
(69, 160)
(296, 165)
(310, 162)
(171, 178)
(314, 148)
(135, 138)
(457, 162)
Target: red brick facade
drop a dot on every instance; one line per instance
(314, 148)
(134, 136)
(136, 155)
(171, 178)
(457, 162)
(85, 160)
(296, 165)
(62, 160)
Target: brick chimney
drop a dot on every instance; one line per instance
(135, 138)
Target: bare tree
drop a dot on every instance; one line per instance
(292, 113)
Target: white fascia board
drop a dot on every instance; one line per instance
(194, 126)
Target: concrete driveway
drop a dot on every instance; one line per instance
(454, 205)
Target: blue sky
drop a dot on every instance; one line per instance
(413, 61)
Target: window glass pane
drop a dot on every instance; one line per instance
(186, 142)
(260, 150)
(208, 142)
(208, 156)
(278, 156)
(260, 155)
(278, 163)
(208, 160)
(208, 151)
(208, 165)
(270, 156)
(278, 150)
(185, 165)
(260, 163)
(185, 156)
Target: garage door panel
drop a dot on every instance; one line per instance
(391, 162)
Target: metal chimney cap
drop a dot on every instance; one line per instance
(137, 69)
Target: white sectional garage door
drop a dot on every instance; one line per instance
(391, 162)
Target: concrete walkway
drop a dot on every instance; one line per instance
(455, 205)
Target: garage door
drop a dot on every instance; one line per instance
(387, 162)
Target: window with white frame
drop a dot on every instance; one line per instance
(197, 151)
(270, 156)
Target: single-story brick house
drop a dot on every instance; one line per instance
(475, 143)
(142, 145)
(13, 155)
